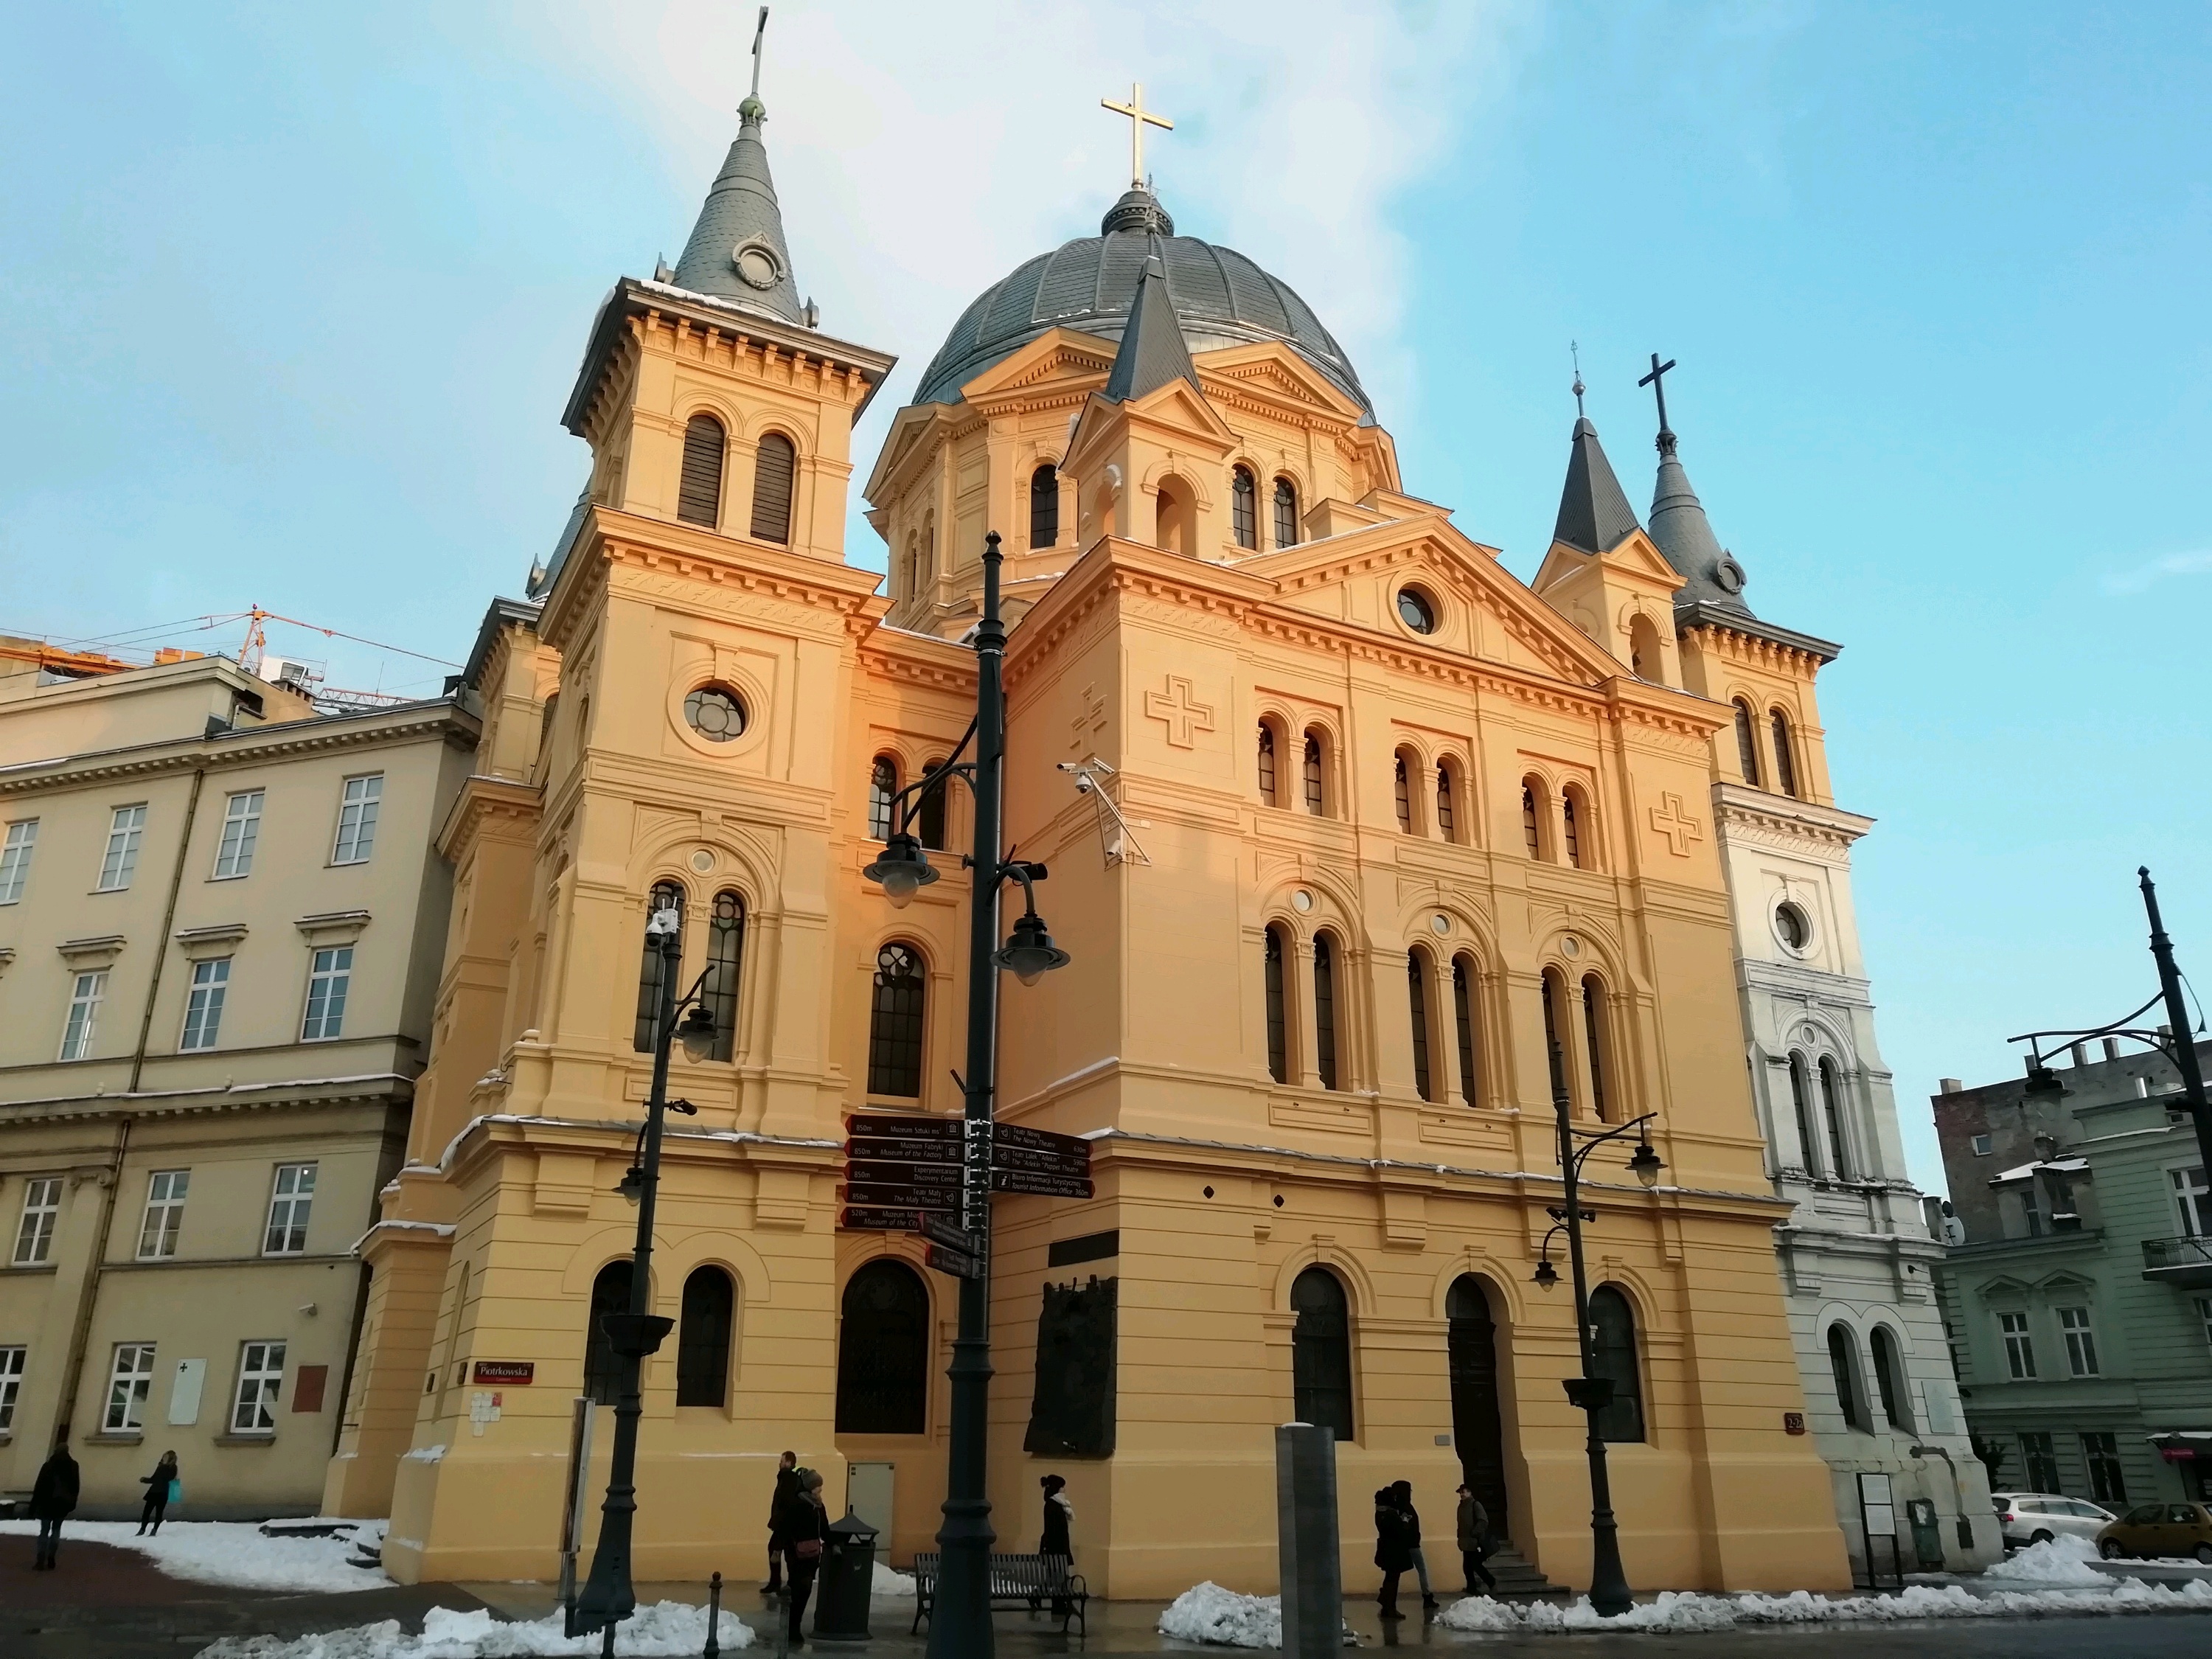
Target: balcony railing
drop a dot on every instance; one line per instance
(2186, 1261)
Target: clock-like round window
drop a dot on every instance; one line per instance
(1794, 927)
(757, 264)
(714, 713)
(1417, 610)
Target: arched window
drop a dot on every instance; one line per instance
(1279, 1042)
(665, 896)
(1785, 764)
(1267, 792)
(1044, 506)
(1555, 993)
(883, 1352)
(1174, 516)
(1843, 1364)
(1463, 1023)
(1644, 660)
(1573, 823)
(1831, 1111)
(702, 1340)
(929, 812)
(1417, 1004)
(1325, 1009)
(725, 955)
(1320, 1352)
(1286, 513)
(699, 492)
(1531, 832)
(1402, 793)
(610, 1295)
(1746, 743)
(1889, 1379)
(776, 469)
(1244, 507)
(882, 784)
(1313, 773)
(1593, 1034)
(894, 1023)
(1612, 1356)
(1447, 819)
(1801, 1100)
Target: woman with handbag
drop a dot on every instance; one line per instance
(803, 1525)
(162, 1485)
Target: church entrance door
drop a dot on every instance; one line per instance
(1476, 1429)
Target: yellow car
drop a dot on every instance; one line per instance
(2160, 1529)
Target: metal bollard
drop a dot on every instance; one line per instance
(713, 1618)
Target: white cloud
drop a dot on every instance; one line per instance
(2144, 575)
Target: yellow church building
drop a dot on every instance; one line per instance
(1391, 829)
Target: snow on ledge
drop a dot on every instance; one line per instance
(664, 1628)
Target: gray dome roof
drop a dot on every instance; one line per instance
(1221, 299)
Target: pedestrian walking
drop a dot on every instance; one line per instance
(1474, 1545)
(787, 1488)
(1057, 1543)
(162, 1485)
(53, 1497)
(804, 1523)
(1394, 1549)
(1402, 1493)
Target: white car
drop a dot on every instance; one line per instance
(2032, 1518)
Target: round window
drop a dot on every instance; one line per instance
(714, 713)
(1415, 611)
(1794, 925)
(756, 262)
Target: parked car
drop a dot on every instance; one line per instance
(2034, 1517)
(2160, 1529)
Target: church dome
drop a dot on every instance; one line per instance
(1221, 299)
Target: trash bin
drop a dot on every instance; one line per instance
(848, 1576)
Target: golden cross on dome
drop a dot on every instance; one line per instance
(1140, 117)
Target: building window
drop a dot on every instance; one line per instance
(87, 993)
(1446, 821)
(1278, 1047)
(2101, 1453)
(1831, 1111)
(165, 1213)
(2080, 1341)
(359, 802)
(883, 1352)
(125, 831)
(929, 814)
(894, 1023)
(1530, 834)
(290, 1199)
(1889, 1379)
(702, 1340)
(1613, 1344)
(1402, 794)
(1286, 513)
(260, 1382)
(1593, 1034)
(2191, 1199)
(242, 831)
(1800, 1099)
(1554, 989)
(15, 860)
(329, 977)
(1785, 764)
(130, 1380)
(1320, 1352)
(1244, 507)
(775, 473)
(11, 1382)
(602, 1370)
(699, 494)
(1844, 1367)
(1573, 822)
(1417, 1004)
(42, 1209)
(1463, 1023)
(2040, 1459)
(1325, 1009)
(665, 895)
(1314, 803)
(1746, 743)
(726, 956)
(1979, 1146)
(1268, 765)
(716, 714)
(2205, 1315)
(1044, 506)
(203, 1004)
(2031, 1208)
(2019, 1347)
(883, 785)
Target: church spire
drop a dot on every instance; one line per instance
(1152, 351)
(737, 250)
(1680, 528)
(1594, 516)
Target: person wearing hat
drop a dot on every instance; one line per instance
(1474, 1545)
(1057, 1544)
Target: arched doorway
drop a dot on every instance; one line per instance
(883, 1352)
(1476, 1429)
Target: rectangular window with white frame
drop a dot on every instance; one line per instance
(2080, 1341)
(289, 1200)
(203, 1004)
(359, 802)
(42, 1209)
(23, 839)
(260, 1381)
(2019, 1347)
(11, 1382)
(242, 831)
(126, 830)
(2204, 1314)
(130, 1380)
(2193, 1202)
(87, 992)
(164, 1214)
(329, 978)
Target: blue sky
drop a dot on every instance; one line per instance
(293, 297)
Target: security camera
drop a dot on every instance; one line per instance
(1083, 784)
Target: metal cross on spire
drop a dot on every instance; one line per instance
(1140, 117)
(1659, 389)
(760, 28)
(1575, 350)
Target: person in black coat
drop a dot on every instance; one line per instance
(53, 1498)
(157, 1494)
(1401, 1494)
(1393, 1547)
(786, 1489)
(804, 1524)
(1057, 1543)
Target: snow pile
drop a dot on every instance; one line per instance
(232, 1552)
(2055, 1561)
(664, 1628)
(1224, 1618)
(1691, 1610)
(888, 1581)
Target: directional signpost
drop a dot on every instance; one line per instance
(935, 1176)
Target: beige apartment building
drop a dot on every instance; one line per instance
(220, 921)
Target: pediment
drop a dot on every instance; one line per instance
(1634, 557)
(1277, 375)
(1062, 354)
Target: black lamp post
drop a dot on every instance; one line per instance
(608, 1597)
(960, 1623)
(1589, 1393)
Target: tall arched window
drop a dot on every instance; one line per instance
(776, 471)
(699, 491)
(1244, 507)
(1785, 764)
(610, 1295)
(1267, 789)
(894, 1023)
(1320, 1352)
(665, 896)
(1313, 773)
(1555, 993)
(1402, 793)
(1594, 1033)
(1801, 1100)
(1644, 660)
(1889, 1379)
(1570, 828)
(725, 955)
(912, 563)
(1613, 1345)
(1447, 819)
(1278, 1043)
(1831, 1111)
(929, 811)
(1843, 1365)
(883, 1352)
(1531, 832)
(1463, 1024)
(1286, 513)
(1417, 1004)
(1324, 950)
(1746, 743)
(1044, 506)
(882, 784)
(702, 1340)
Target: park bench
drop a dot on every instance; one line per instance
(1017, 1582)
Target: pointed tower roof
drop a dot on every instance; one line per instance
(1152, 351)
(1709, 576)
(737, 250)
(1594, 516)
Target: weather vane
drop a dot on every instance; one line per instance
(1140, 117)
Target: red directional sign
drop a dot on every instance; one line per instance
(879, 1219)
(900, 1195)
(903, 1172)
